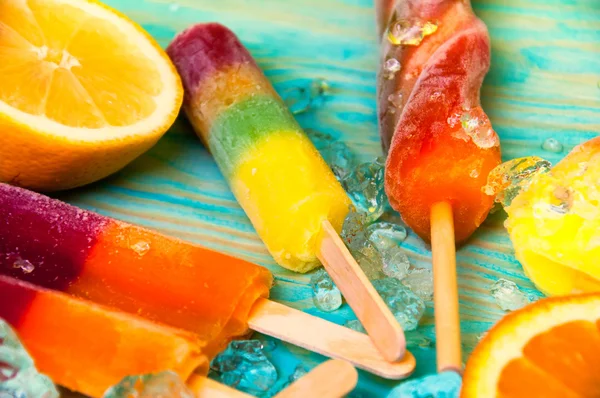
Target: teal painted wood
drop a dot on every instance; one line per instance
(544, 82)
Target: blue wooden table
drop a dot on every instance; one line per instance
(544, 82)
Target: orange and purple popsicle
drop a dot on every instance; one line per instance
(278, 177)
(60, 247)
(87, 347)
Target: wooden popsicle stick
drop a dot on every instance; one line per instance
(331, 379)
(445, 288)
(203, 387)
(326, 338)
(369, 307)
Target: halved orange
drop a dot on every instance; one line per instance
(549, 349)
(83, 91)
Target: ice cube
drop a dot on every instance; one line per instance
(407, 307)
(441, 385)
(164, 384)
(385, 235)
(414, 338)
(244, 365)
(395, 263)
(365, 187)
(318, 90)
(409, 33)
(24, 265)
(141, 247)
(508, 179)
(370, 261)
(326, 295)
(420, 281)
(301, 99)
(508, 296)
(552, 145)
(18, 375)
(355, 324)
(354, 229)
(299, 372)
(340, 159)
(283, 383)
(319, 139)
(297, 99)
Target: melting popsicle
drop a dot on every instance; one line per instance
(441, 145)
(87, 347)
(60, 247)
(54, 245)
(554, 223)
(285, 187)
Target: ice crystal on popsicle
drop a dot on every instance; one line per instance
(24, 265)
(390, 67)
(508, 179)
(409, 33)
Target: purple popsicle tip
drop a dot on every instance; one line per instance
(42, 240)
(202, 50)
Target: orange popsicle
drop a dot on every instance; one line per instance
(87, 347)
(60, 247)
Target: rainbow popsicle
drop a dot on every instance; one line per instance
(57, 246)
(278, 177)
(87, 347)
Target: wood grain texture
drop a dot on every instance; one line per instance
(543, 82)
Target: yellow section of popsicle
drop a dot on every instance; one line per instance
(287, 191)
(555, 224)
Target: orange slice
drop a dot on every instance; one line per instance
(83, 91)
(548, 349)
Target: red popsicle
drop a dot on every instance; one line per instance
(441, 144)
(435, 54)
(87, 347)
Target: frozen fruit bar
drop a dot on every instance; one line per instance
(274, 171)
(441, 144)
(87, 347)
(58, 246)
(554, 224)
